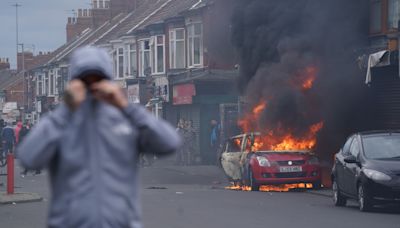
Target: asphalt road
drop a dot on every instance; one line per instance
(194, 197)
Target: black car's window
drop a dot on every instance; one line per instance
(355, 148)
(346, 147)
(382, 147)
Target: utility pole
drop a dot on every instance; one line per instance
(16, 5)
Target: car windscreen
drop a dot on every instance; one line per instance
(382, 146)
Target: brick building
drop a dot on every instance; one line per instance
(158, 47)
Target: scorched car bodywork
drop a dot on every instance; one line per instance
(256, 168)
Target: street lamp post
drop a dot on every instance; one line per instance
(16, 5)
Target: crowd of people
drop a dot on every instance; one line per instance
(11, 137)
(186, 155)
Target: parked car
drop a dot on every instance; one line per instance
(367, 168)
(256, 168)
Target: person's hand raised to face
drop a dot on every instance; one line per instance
(103, 90)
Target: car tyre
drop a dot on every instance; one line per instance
(364, 199)
(253, 185)
(338, 199)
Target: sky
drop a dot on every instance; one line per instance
(41, 23)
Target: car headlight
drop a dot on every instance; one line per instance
(376, 175)
(263, 161)
(313, 161)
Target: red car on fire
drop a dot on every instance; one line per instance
(244, 166)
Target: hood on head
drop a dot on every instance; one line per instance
(90, 60)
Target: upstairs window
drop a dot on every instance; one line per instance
(144, 57)
(393, 14)
(195, 45)
(120, 62)
(158, 54)
(39, 85)
(177, 49)
(132, 60)
(51, 83)
(376, 16)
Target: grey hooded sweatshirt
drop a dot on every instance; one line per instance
(92, 154)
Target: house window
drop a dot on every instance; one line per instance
(115, 63)
(158, 54)
(120, 62)
(393, 14)
(177, 49)
(46, 84)
(39, 85)
(376, 16)
(144, 57)
(132, 60)
(51, 84)
(195, 45)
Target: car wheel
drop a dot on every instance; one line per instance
(364, 199)
(338, 199)
(254, 186)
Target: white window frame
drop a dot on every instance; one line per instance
(120, 64)
(154, 45)
(39, 84)
(172, 47)
(190, 45)
(130, 53)
(51, 88)
(142, 51)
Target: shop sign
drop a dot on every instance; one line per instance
(183, 94)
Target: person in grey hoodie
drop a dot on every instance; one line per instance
(91, 144)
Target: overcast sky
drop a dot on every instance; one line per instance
(41, 23)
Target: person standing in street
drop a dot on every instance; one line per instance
(91, 143)
(8, 137)
(180, 129)
(215, 138)
(22, 134)
(17, 130)
(190, 139)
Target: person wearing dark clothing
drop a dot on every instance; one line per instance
(8, 137)
(215, 138)
(22, 134)
(91, 144)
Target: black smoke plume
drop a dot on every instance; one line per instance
(278, 40)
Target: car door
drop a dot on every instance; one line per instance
(351, 170)
(230, 159)
(340, 164)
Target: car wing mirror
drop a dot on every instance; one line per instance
(351, 159)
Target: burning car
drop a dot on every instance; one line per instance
(245, 162)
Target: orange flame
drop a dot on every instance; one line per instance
(272, 188)
(281, 139)
(309, 75)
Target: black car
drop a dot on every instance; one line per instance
(367, 168)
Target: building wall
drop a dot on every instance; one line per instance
(4, 64)
(15, 93)
(76, 25)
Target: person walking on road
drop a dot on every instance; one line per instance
(90, 143)
(8, 137)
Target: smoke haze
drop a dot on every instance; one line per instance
(281, 43)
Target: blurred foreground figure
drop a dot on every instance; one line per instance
(90, 144)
